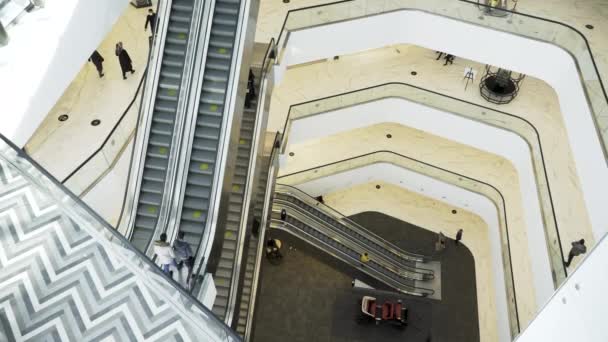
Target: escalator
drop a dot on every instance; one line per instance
(223, 275)
(250, 258)
(67, 275)
(163, 122)
(400, 270)
(205, 146)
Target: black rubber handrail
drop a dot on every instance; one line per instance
(283, 29)
(412, 289)
(109, 135)
(423, 258)
(267, 57)
(524, 120)
(504, 209)
(304, 213)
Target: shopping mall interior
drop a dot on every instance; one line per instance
(303, 170)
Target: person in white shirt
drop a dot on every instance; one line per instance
(165, 255)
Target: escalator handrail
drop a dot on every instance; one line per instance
(204, 247)
(354, 243)
(113, 233)
(182, 113)
(353, 225)
(140, 140)
(347, 241)
(522, 119)
(265, 219)
(282, 225)
(285, 32)
(249, 183)
(490, 186)
(171, 226)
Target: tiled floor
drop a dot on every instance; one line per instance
(309, 296)
(61, 146)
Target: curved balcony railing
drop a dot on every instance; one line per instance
(443, 175)
(510, 122)
(541, 29)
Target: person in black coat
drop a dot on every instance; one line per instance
(124, 60)
(151, 19)
(97, 60)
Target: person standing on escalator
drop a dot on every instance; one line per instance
(183, 257)
(165, 255)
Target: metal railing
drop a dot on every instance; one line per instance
(529, 26)
(260, 122)
(204, 247)
(202, 322)
(348, 223)
(489, 116)
(438, 173)
(265, 221)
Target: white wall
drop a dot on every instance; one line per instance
(479, 135)
(438, 190)
(532, 57)
(46, 51)
(578, 310)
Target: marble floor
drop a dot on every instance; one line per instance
(61, 146)
(435, 216)
(437, 151)
(309, 296)
(578, 14)
(536, 103)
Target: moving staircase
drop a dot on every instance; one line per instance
(223, 275)
(316, 224)
(161, 134)
(205, 145)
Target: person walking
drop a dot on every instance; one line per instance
(165, 255)
(448, 59)
(97, 60)
(578, 248)
(440, 244)
(124, 59)
(183, 256)
(151, 19)
(458, 236)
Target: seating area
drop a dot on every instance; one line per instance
(389, 312)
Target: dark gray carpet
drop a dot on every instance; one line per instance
(308, 297)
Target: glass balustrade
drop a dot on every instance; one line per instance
(489, 116)
(443, 175)
(143, 281)
(529, 26)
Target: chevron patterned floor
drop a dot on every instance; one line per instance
(65, 277)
